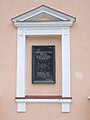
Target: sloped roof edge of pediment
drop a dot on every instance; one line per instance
(43, 11)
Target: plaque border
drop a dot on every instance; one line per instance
(53, 81)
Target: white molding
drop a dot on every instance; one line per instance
(44, 24)
(38, 100)
(21, 44)
(21, 103)
(43, 10)
(62, 31)
(66, 62)
(48, 12)
(65, 107)
(21, 107)
(43, 100)
(61, 28)
(44, 32)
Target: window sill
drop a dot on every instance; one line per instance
(21, 101)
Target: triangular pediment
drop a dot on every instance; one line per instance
(42, 17)
(43, 13)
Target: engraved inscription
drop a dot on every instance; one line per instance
(43, 64)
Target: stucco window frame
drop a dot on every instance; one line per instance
(21, 46)
(24, 29)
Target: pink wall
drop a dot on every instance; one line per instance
(80, 61)
(38, 89)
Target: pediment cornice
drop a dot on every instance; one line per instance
(43, 14)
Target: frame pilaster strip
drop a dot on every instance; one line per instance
(21, 44)
(65, 62)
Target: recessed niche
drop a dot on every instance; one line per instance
(43, 89)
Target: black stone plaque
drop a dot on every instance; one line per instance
(43, 64)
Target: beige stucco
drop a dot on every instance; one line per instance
(80, 62)
(42, 89)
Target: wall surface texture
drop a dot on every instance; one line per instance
(80, 62)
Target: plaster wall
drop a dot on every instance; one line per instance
(80, 62)
(43, 89)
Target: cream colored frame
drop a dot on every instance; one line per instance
(58, 26)
(21, 46)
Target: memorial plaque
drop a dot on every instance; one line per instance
(43, 64)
